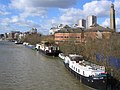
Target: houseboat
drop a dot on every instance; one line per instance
(89, 74)
(48, 49)
(37, 47)
(25, 43)
(62, 56)
(18, 42)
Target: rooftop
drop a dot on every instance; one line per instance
(67, 29)
(96, 27)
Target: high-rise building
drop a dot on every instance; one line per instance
(91, 20)
(112, 18)
(82, 23)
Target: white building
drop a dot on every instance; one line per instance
(82, 23)
(55, 29)
(22, 35)
(91, 20)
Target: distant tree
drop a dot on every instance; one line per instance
(49, 38)
(32, 38)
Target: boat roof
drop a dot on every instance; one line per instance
(89, 66)
(75, 55)
(85, 64)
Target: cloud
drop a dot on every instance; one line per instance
(54, 3)
(98, 8)
(39, 7)
(106, 23)
(3, 10)
(70, 15)
(28, 9)
(43, 3)
(5, 25)
(15, 23)
(118, 24)
(4, 13)
(117, 7)
(27, 23)
(32, 8)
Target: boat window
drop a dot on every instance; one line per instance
(74, 67)
(51, 48)
(78, 70)
(77, 58)
(83, 73)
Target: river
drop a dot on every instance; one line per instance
(24, 69)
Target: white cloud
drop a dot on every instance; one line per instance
(15, 22)
(39, 7)
(43, 3)
(4, 13)
(27, 9)
(27, 23)
(5, 25)
(54, 3)
(118, 24)
(72, 15)
(68, 15)
(106, 23)
(117, 7)
(3, 10)
(99, 8)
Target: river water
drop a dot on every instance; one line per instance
(24, 69)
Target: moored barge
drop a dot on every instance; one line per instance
(89, 74)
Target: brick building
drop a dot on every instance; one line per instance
(97, 32)
(74, 35)
(79, 35)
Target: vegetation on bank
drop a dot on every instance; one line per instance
(37, 38)
(105, 47)
(32, 38)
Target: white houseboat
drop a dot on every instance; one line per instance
(89, 74)
(25, 43)
(62, 56)
(37, 47)
(18, 42)
(48, 49)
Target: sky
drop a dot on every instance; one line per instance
(22, 15)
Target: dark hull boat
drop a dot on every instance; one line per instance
(48, 49)
(52, 53)
(96, 80)
(18, 42)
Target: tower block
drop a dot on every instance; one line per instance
(112, 18)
